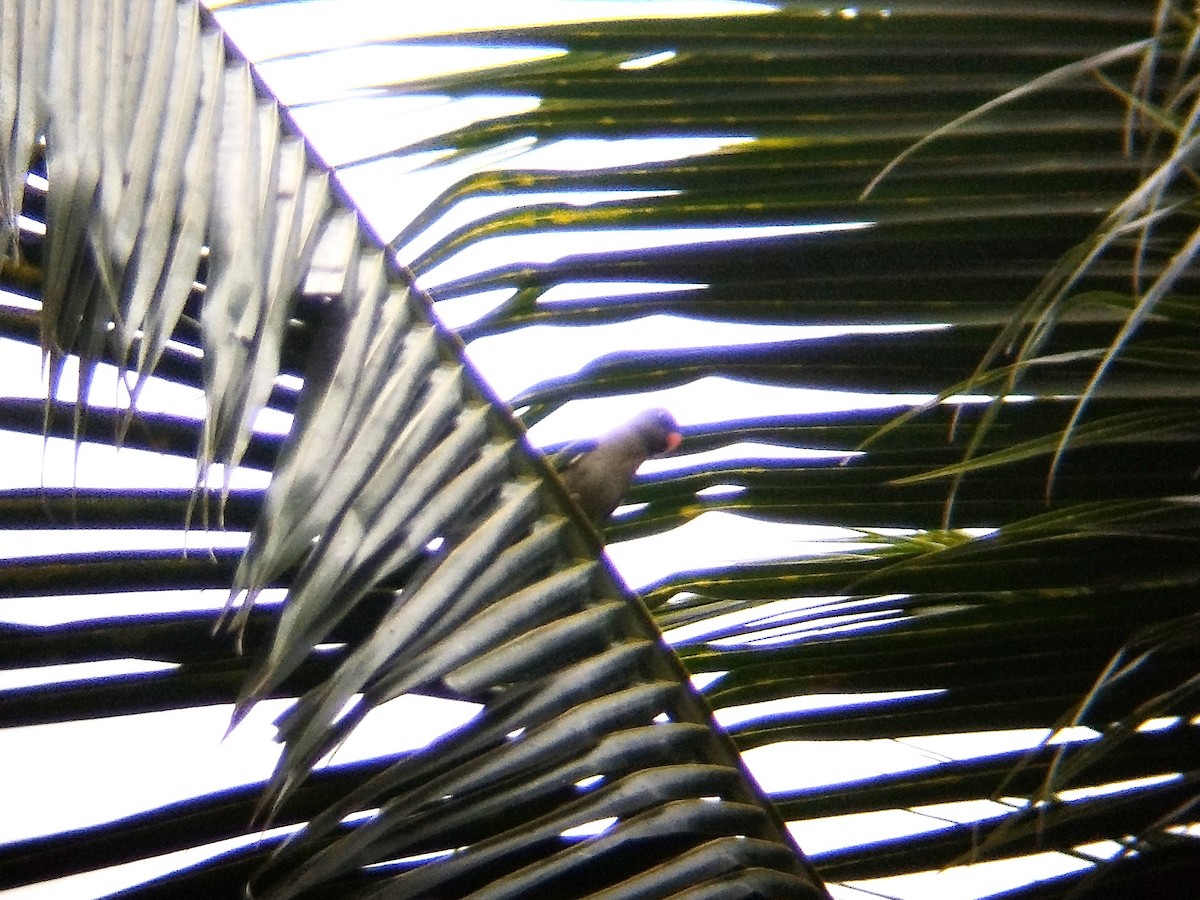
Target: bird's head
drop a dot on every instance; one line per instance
(659, 432)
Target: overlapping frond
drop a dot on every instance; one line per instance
(199, 227)
(1048, 197)
(1015, 608)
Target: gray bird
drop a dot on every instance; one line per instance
(598, 475)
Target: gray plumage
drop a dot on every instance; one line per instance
(599, 477)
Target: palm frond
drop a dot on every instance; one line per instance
(910, 633)
(402, 478)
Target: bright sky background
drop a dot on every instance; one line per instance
(133, 763)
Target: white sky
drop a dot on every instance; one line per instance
(132, 763)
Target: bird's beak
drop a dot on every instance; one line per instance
(674, 439)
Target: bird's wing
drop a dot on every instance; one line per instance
(562, 458)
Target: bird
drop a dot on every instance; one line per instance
(597, 474)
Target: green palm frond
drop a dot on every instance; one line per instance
(401, 479)
(1043, 239)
